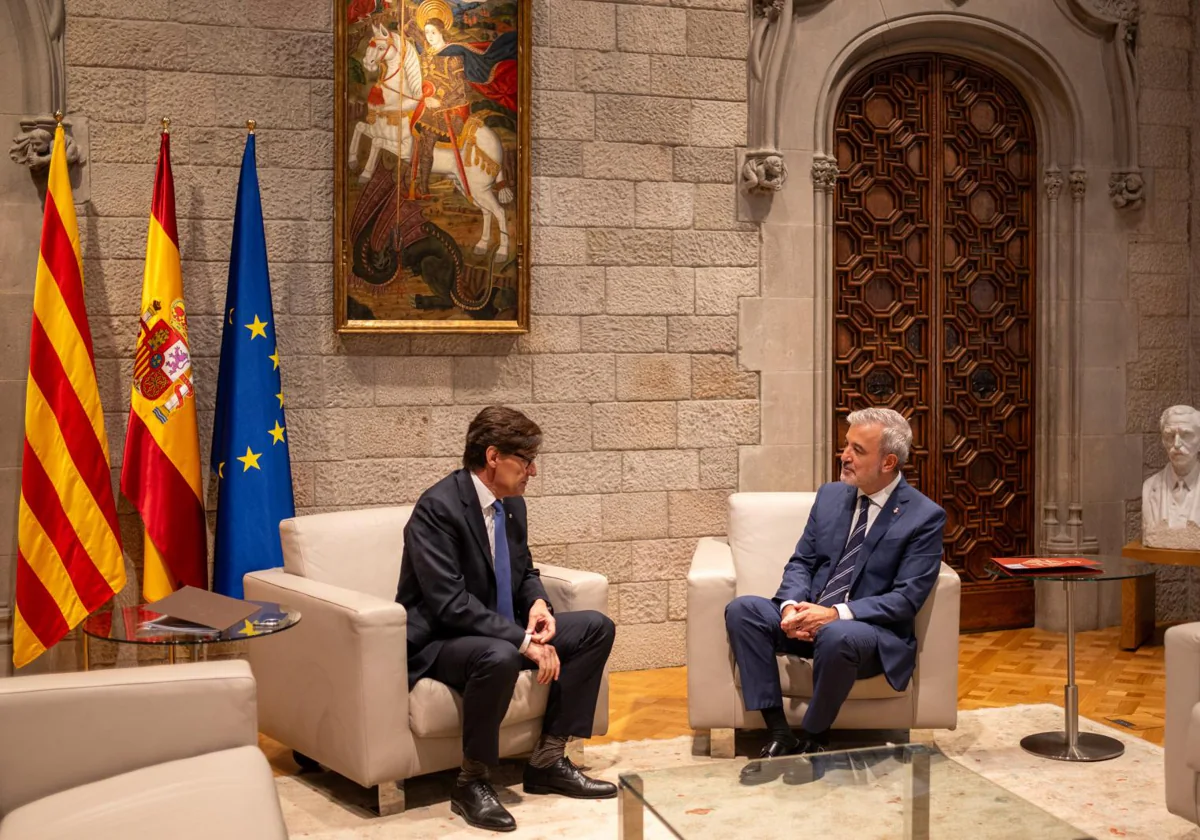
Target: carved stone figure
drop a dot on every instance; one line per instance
(1171, 497)
(764, 172)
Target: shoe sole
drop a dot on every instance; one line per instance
(539, 790)
(455, 809)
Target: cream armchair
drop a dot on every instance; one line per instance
(763, 531)
(335, 687)
(1182, 737)
(135, 752)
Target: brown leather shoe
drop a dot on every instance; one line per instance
(565, 778)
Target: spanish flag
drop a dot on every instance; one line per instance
(69, 559)
(161, 474)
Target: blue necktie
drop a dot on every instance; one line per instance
(837, 589)
(504, 602)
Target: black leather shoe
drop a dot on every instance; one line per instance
(477, 803)
(564, 777)
(760, 772)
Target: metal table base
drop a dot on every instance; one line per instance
(1071, 744)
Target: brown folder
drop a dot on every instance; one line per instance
(200, 606)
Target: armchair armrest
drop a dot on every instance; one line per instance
(935, 680)
(1182, 737)
(571, 589)
(87, 726)
(335, 686)
(711, 585)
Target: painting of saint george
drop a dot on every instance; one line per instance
(431, 170)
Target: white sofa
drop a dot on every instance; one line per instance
(1182, 736)
(135, 752)
(335, 687)
(763, 531)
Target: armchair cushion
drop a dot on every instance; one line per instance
(435, 711)
(357, 549)
(174, 799)
(92, 725)
(763, 531)
(1193, 740)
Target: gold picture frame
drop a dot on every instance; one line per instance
(431, 166)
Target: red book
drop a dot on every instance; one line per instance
(1047, 564)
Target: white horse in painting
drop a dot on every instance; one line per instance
(481, 151)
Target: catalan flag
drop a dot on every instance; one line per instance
(69, 558)
(161, 474)
(250, 438)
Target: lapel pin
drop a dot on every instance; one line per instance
(895, 510)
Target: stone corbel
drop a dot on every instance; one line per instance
(1116, 21)
(32, 146)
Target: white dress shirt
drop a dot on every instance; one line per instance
(878, 500)
(486, 499)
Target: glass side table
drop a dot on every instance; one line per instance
(135, 626)
(1070, 744)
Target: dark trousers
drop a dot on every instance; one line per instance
(842, 652)
(484, 671)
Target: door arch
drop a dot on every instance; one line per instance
(934, 298)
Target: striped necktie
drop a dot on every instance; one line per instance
(837, 589)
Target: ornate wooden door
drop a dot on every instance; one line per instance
(934, 304)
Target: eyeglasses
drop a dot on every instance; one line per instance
(528, 462)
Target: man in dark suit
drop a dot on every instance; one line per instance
(478, 615)
(868, 559)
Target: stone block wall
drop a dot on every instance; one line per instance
(1163, 281)
(638, 263)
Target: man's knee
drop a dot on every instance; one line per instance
(842, 638)
(743, 610)
(599, 626)
(499, 661)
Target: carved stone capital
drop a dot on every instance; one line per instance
(32, 146)
(1078, 181)
(824, 174)
(1127, 190)
(1053, 182)
(764, 172)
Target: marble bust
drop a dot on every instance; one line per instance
(1171, 497)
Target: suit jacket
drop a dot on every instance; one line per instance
(447, 583)
(893, 575)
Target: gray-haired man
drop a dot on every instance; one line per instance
(868, 559)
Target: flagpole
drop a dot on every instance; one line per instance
(250, 124)
(166, 125)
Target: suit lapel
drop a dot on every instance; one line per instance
(841, 525)
(893, 509)
(474, 515)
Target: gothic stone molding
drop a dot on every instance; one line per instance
(764, 170)
(1114, 21)
(41, 24)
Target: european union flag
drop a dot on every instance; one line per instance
(249, 447)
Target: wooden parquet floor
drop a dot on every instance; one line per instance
(1004, 668)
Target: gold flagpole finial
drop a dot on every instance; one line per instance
(250, 124)
(58, 117)
(166, 125)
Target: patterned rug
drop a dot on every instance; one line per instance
(1119, 798)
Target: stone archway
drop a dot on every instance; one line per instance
(1059, 56)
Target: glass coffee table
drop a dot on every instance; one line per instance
(139, 625)
(1069, 744)
(911, 791)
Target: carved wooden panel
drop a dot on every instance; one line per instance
(934, 304)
